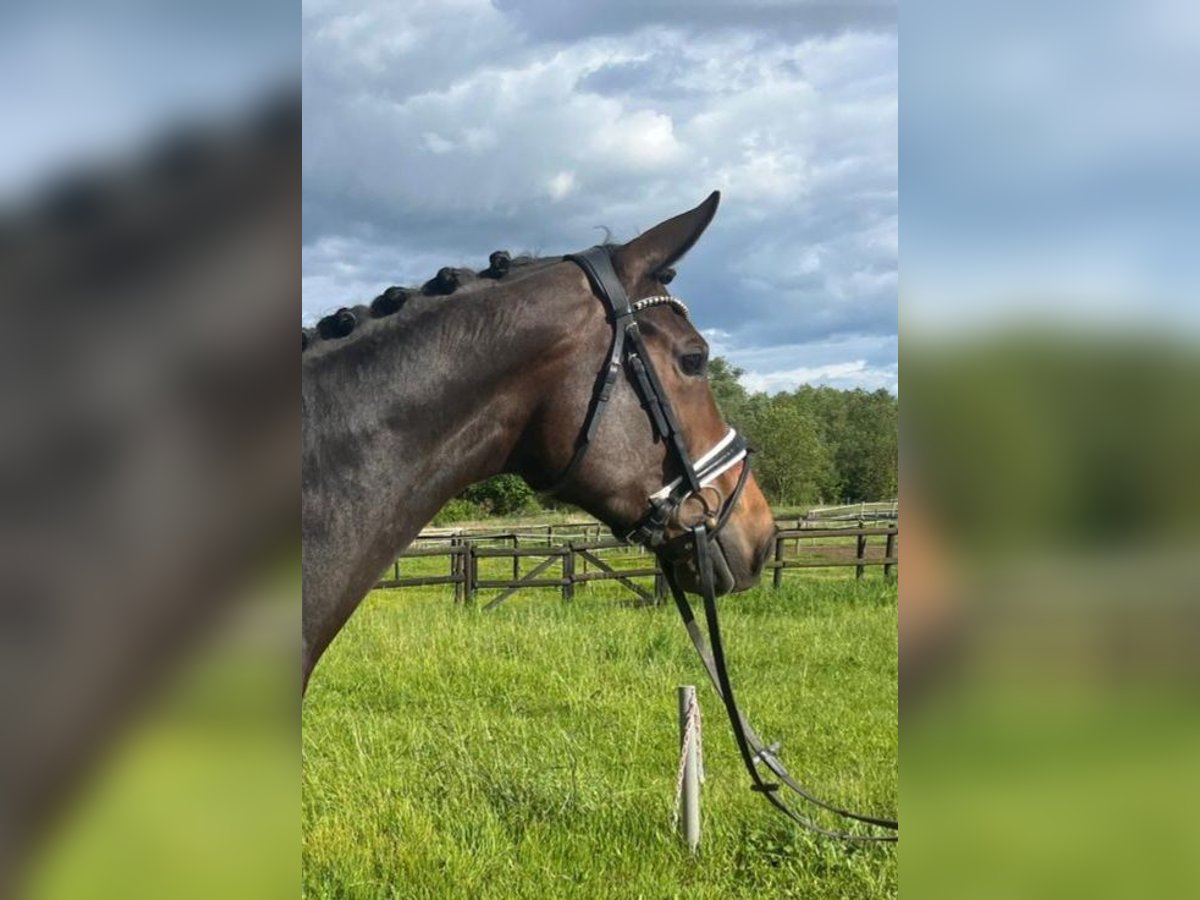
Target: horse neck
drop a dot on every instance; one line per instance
(396, 426)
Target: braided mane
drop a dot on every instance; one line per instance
(502, 267)
(107, 220)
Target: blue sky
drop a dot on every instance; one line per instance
(438, 131)
(1050, 165)
(89, 81)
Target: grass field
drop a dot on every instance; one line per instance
(531, 751)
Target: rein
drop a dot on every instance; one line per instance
(692, 502)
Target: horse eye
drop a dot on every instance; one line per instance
(693, 364)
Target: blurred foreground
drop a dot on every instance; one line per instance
(197, 799)
(1049, 618)
(1050, 203)
(149, 275)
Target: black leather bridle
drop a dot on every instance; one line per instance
(694, 505)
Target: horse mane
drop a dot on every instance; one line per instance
(449, 280)
(502, 268)
(101, 222)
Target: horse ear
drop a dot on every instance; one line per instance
(665, 243)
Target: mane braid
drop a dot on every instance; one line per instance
(348, 322)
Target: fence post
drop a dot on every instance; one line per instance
(568, 571)
(456, 568)
(690, 788)
(516, 558)
(862, 552)
(777, 576)
(889, 569)
(396, 570)
(472, 572)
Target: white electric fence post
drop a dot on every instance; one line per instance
(689, 744)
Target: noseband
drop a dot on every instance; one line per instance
(694, 505)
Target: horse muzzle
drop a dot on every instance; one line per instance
(680, 555)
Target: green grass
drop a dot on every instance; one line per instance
(531, 751)
(196, 797)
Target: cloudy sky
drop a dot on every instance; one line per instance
(90, 81)
(1053, 178)
(439, 130)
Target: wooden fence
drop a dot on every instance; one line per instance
(579, 559)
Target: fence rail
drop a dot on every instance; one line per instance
(581, 561)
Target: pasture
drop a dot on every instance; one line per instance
(531, 751)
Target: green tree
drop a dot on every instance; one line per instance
(863, 436)
(860, 431)
(503, 495)
(724, 379)
(793, 464)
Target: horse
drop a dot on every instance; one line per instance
(528, 367)
(151, 435)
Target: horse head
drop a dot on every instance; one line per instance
(631, 459)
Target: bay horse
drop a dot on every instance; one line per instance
(508, 370)
(150, 435)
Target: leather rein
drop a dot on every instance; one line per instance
(692, 503)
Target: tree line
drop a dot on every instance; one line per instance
(813, 445)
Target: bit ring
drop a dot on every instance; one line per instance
(696, 508)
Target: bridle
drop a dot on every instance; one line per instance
(692, 503)
(628, 351)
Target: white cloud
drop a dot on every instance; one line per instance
(850, 374)
(435, 143)
(561, 184)
(641, 140)
(846, 362)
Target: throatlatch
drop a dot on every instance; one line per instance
(694, 504)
